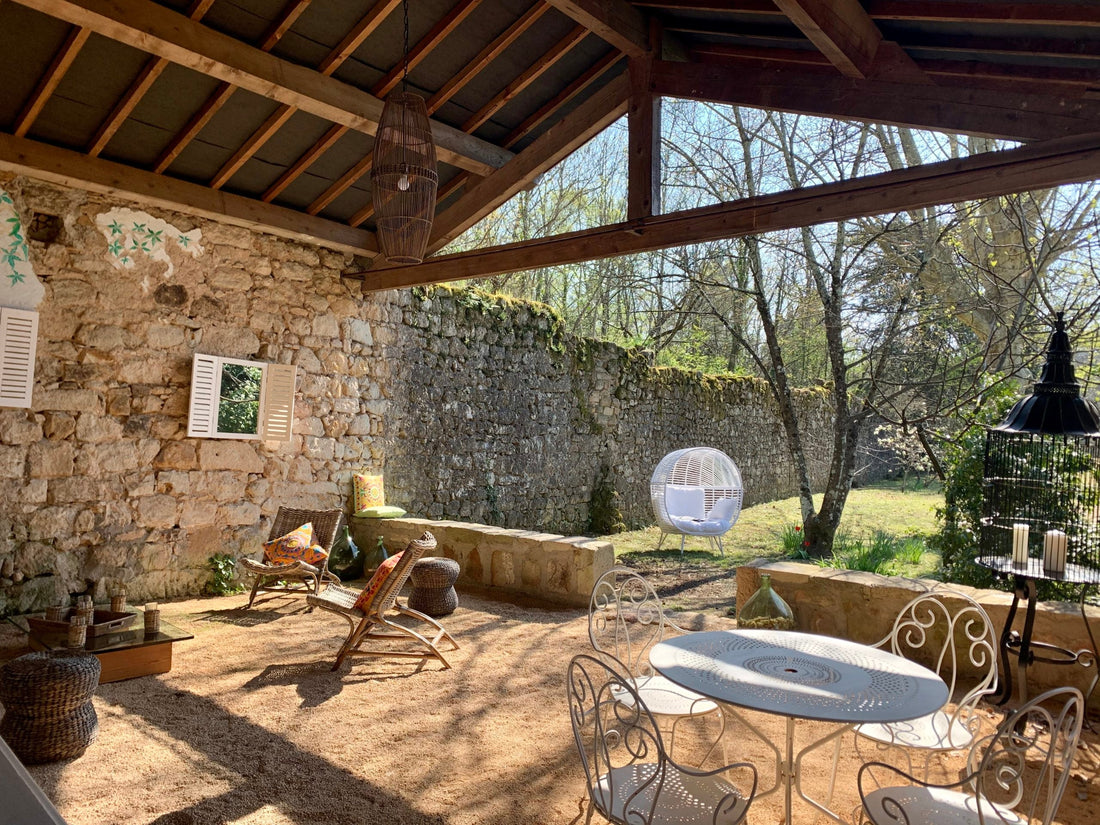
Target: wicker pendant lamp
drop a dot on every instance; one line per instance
(404, 179)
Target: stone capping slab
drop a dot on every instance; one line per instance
(550, 567)
(861, 606)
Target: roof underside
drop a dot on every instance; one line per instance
(263, 111)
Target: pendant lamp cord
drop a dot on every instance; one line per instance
(405, 71)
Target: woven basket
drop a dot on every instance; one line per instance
(48, 714)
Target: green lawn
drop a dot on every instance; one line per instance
(885, 508)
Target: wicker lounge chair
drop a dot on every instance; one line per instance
(373, 623)
(298, 576)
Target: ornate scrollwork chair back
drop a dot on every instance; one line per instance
(630, 777)
(625, 620)
(1015, 775)
(952, 634)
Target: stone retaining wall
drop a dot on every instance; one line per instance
(862, 607)
(553, 568)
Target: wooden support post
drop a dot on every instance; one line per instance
(644, 143)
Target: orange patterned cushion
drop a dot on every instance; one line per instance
(297, 545)
(376, 581)
(368, 491)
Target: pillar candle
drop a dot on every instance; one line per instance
(1019, 544)
(1054, 551)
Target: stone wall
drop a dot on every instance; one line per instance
(98, 481)
(477, 410)
(862, 606)
(503, 419)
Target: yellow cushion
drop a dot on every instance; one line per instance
(376, 581)
(368, 491)
(297, 545)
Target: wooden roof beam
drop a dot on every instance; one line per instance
(616, 21)
(165, 33)
(1038, 166)
(1006, 114)
(69, 168)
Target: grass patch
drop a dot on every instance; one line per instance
(900, 518)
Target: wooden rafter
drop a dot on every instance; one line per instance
(61, 63)
(165, 33)
(590, 75)
(486, 56)
(561, 139)
(937, 11)
(426, 44)
(615, 21)
(290, 13)
(1010, 75)
(545, 62)
(541, 65)
(422, 49)
(840, 29)
(68, 168)
(148, 75)
(1007, 114)
(1038, 166)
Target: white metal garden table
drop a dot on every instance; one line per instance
(799, 676)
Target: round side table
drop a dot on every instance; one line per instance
(48, 713)
(433, 590)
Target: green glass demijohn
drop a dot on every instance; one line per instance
(766, 609)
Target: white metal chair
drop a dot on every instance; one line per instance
(625, 620)
(631, 778)
(1015, 775)
(950, 633)
(696, 492)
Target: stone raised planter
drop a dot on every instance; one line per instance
(862, 607)
(550, 567)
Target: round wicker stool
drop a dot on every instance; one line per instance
(433, 590)
(48, 713)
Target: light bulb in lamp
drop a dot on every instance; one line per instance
(403, 182)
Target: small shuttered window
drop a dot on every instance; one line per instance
(231, 398)
(18, 342)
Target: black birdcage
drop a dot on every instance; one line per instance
(1040, 482)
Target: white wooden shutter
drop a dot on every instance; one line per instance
(202, 419)
(18, 342)
(278, 406)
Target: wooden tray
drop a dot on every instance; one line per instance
(103, 621)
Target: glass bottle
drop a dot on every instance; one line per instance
(766, 609)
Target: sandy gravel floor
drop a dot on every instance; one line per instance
(251, 727)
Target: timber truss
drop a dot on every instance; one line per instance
(261, 113)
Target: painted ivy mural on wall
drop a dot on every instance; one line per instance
(19, 287)
(132, 235)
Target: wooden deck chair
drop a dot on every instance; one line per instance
(297, 576)
(370, 622)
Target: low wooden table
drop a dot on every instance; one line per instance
(123, 654)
